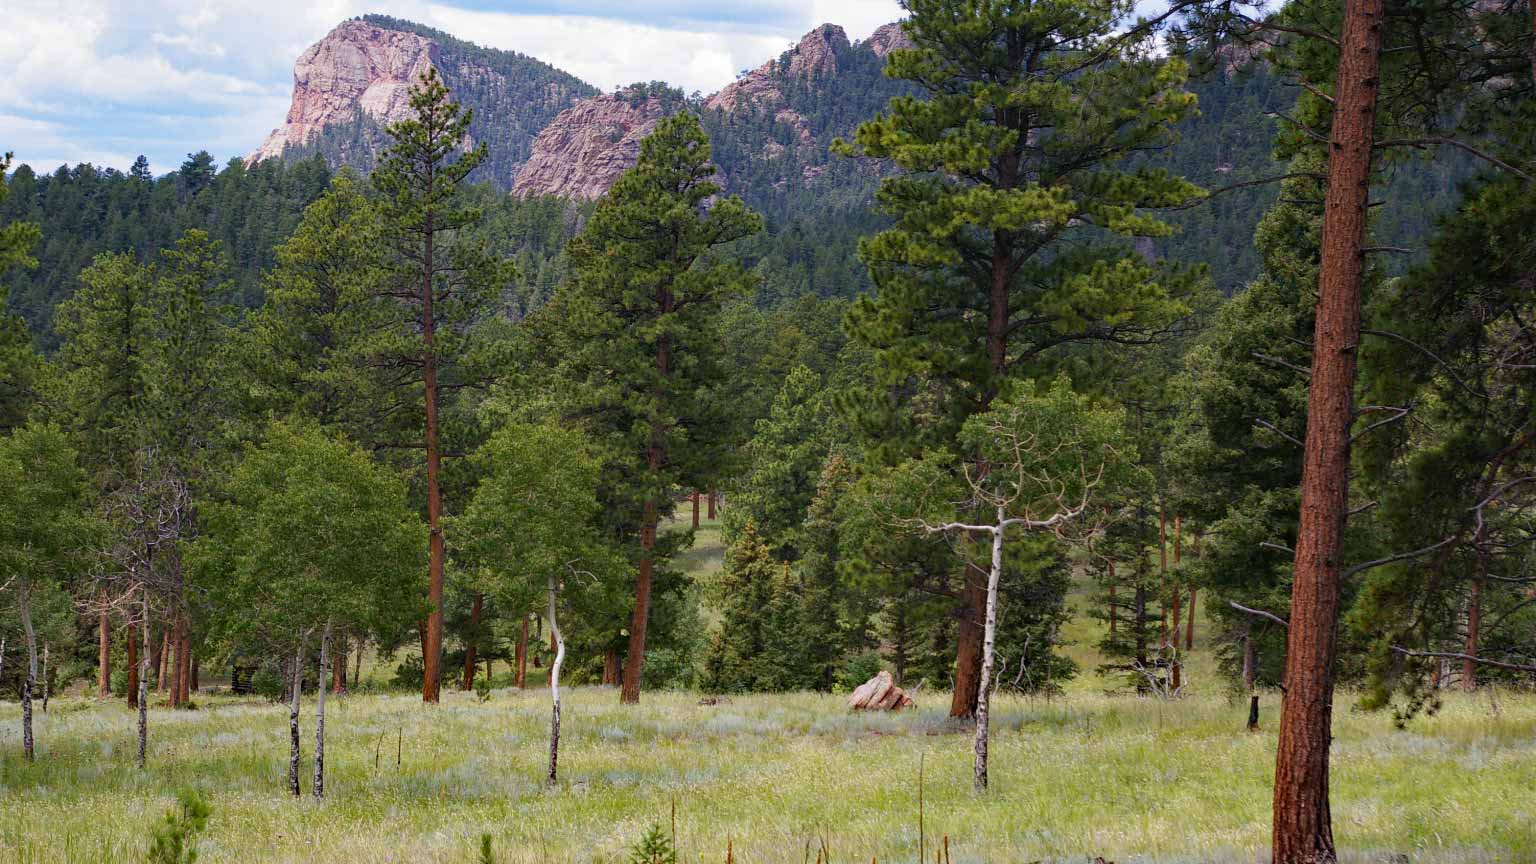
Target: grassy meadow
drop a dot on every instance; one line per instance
(769, 777)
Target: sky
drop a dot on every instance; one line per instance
(103, 81)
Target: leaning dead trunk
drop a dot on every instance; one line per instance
(1303, 829)
(988, 645)
(325, 651)
(24, 606)
(554, 684)
(293, 718)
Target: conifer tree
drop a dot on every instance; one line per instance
(443, 284)
(1011, 215)
(637, 330)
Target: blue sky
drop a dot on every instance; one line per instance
(104, 80)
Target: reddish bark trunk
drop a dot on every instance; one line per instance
(469, 649)
(184, 656)
(103, 653)
(339, 668)
(634, 662)
(1474, 625)
(712, 504)
(133, 666)
(431, 661)
(174, 661)
(1189, 625)
(611, 667)
(521, 672)
(973, 609)
(1303, 830)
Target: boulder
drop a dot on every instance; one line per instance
(879, 693)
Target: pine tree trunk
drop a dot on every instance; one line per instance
(695, 509)
(968, 650)
(634, 662)
(339, 668)
(554, 685)
(611, 667)
(162, 683)
(1178, 604)
(184, 657)
(1250, 657)
(989, 641)
(296, 687)
(174, 660)
(1189, 625)
(325, 651)
(103, 651)
(712, 504)
(1474, 625)
(1303, 831)
(143, 697)
(521, 673)
(431, 662)
(1113, 612)
(474, 636)
(29, 683)
(133, 666)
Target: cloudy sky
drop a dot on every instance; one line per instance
(104, 80)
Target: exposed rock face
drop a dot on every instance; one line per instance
(888, 38)
(581, 154)
(814, 57)
(357, 66)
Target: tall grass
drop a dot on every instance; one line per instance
(1082, 775)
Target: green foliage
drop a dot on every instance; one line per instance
(653, 848)
(763, 642)
(174, 840)
(309, 530)
(486, 856)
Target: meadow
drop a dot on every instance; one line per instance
(771, 777)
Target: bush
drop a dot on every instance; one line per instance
(669, 669)
(409, 675)
(858, 669)
(653, 848)
(267, 683)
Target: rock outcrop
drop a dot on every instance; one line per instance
(814, 57)
(358, 66)
(879, 693)
(888, 38)
(582, 152)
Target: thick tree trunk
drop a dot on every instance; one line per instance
(339, 668)
(431, 662)
(29, 683)
(325, 650)
(1303, 831)
(133, 666)
(184, 657)
(174, 660)
(634, 662)
(520, 674)
(296, 686)
(103, 651)
(989, 641)
(1475, 605)
(968, 648)
(713, 504)
(554, 685)
(143, 697)
(1189, 626)
(611, 667)
(469, 647)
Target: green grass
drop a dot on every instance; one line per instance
(1087, 774)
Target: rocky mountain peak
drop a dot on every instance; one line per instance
(358, 66)
(888, 38)
(813, 57)
(582, 152)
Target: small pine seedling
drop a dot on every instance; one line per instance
(174, 841)
(653, 848)
(485, 850)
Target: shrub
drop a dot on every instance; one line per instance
(409, 674)
(653, 848)
(858, 669)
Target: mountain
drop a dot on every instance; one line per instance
(354, 82)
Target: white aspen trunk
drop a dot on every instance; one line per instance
(293, 718)
(989, 641)
(320, 688)
(144, 682)
(554, 685)
(24, 605)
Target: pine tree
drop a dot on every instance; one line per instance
(636, 330)
(1011, 217)
(443, 281)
